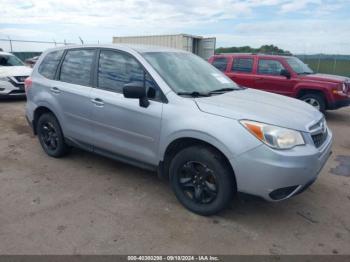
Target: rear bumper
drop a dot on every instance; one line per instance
(338, 104)
(30, 107)
(30, 123)
(277, 175)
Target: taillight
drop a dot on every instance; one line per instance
(28, 84)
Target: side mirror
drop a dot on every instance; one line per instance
(285, 73)
(136, 91)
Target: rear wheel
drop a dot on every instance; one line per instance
(315, 100)
(202, 180)
(50, 136)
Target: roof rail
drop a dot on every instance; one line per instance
(278, 54)
(254, 53)
(235, 54)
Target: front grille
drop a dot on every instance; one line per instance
(320, 138)
(14, 92)
(20, 86)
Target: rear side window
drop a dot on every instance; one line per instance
(76, 67)
(269, 67)
(49, 64)
(242, 65)
(220, 63)
(117, 69)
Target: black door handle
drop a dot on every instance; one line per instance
(97, 101)
(55, 90)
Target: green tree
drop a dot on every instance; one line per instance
(266, 49)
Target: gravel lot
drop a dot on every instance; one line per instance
(87, 204)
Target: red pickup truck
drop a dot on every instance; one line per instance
(285, 75)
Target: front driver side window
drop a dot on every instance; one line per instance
(270, 67)
(115, 69)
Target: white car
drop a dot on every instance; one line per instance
(12, 75)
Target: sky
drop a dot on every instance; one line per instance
(300, 26)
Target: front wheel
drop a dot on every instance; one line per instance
(202, 180)
(315, 100)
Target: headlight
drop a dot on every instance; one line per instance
(344, 88)
(274, 136)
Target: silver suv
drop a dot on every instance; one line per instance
(170, 111)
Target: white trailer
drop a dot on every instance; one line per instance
(201, 46)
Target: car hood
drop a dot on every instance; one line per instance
(326, 77)
(15, 71)
(263, 107)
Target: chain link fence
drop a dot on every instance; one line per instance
(319, 63)
(25, 49)
(328, 64)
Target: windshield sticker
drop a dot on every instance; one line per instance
(222, 79)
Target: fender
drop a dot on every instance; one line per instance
(53, 106)
(325, 89)
(194, 134)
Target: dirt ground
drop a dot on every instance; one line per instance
(87, 204)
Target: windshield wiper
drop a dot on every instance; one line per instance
(222, 90)
(193, 94)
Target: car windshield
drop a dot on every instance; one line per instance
(10, 60)
(298, 66)
(187, 73)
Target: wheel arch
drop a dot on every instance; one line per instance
(180, 143)
(303, 90)
(39, 111)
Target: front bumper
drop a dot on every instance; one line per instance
(280, 174)
(11, 89)
(339, 103)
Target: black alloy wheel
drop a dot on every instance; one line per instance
(198, 182)
(202, 179)
(50, 136)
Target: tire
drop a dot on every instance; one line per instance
(315, 100)
(202, 180)
(50, 136)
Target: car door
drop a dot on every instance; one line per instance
(269, 77)
(241, 71)
(73, 93)
(121, 126)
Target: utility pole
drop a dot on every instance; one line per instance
(81, 40)
(10, 43)
(319, 61)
